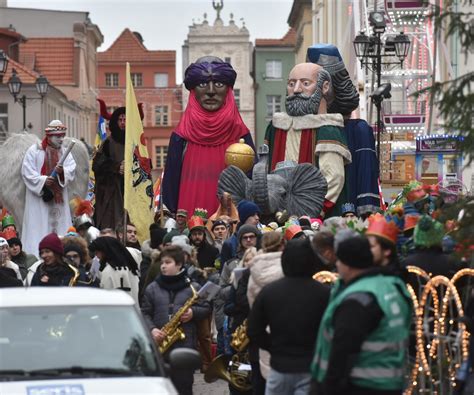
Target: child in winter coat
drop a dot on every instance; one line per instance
(163, 298)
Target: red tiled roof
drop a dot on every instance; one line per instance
(288, 40)
(53, 57)
(128, 48)
(11, 33)
(26, 75)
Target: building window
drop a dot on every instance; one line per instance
(160, 156)
(161, 116)
(3, 118)
(112, 80)
(273, 105)
(273, 70)
(227, 60)
(161, 80)
(237, 97)
(137, 79)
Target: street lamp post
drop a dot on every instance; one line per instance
(3, 64)
(374, 53)
(14, 86)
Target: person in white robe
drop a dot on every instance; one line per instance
(47, 201)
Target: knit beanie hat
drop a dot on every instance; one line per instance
(53, 243)
(157, 234)
(246, 209)
(298, 259)
(355, 252)
(183, 242)
(219, 222)
(428, 232)
(3, 242)
(15, 241)
(74, 247)
(169, 236)
(247, 229)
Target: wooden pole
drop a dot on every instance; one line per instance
(124, 233)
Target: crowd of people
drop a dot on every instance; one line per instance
(310, 207)
(302, 337)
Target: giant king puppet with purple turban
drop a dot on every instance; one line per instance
(210, 123)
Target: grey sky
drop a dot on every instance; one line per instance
(164, 24)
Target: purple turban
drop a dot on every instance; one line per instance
(205, 71)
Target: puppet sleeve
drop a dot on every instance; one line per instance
(172, 175)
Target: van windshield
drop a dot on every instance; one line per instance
(88, 338)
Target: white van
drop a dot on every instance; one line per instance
(79, 341)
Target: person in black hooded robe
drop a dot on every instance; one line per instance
(108, 167)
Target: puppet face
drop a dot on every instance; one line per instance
(211, 95)
(303, 79)
(56, 140)
(307, 85)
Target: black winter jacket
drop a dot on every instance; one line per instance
(160, 302)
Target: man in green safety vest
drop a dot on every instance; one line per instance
(362, 339)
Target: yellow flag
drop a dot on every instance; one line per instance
(138, 188)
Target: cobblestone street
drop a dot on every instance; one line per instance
(200, 387)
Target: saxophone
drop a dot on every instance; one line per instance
(75, 277)
(240, 340)
(173, 329)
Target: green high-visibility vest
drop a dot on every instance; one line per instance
(382, 358)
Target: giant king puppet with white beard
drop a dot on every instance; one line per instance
(307, 133)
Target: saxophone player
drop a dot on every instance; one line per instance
(163, 303)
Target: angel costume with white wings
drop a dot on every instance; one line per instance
(13, 190)
(42, 218)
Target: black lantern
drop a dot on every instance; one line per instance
(42, 85)
(377, 20)
(14, 84)
(402, 46)
(361, 45)
(3, 62)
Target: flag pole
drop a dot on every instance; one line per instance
(161, 200)
(124, 233)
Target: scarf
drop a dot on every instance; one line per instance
(51, 159)
(173, 283)
(208, 134)
(56, 273)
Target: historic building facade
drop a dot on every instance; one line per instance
(273, 61)
(154, 78)
(232, 44)
(65, 52)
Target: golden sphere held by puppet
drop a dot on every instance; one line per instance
(241, 155)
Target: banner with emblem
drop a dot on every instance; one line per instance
(138, 185)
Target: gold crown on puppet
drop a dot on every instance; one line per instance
(200, 212)
(55, 127)
(240, 155)
(379, 226)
